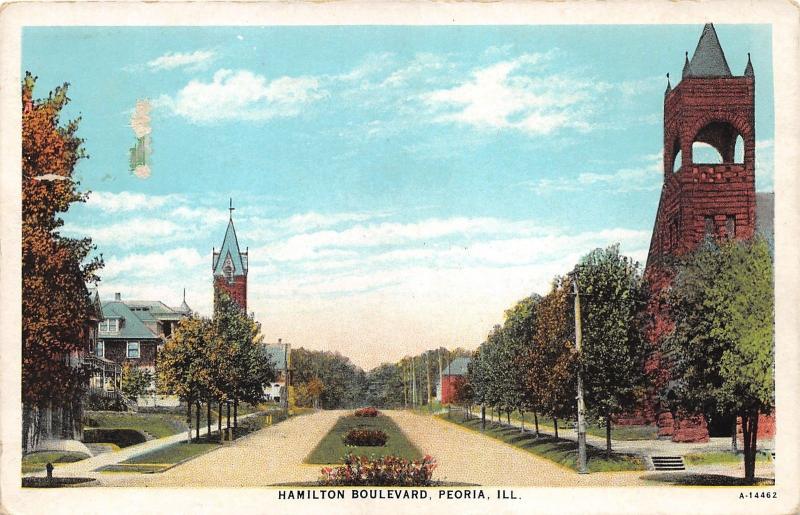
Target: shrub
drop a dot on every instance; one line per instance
(366, 438)
(120, 437)
(366, 412)
(384, 471)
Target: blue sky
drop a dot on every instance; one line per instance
(398, 187)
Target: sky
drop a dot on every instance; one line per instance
(397, 187)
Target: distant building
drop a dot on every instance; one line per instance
(280, 354)
(451, 374)
(229, 267)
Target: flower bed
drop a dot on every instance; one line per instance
(366, 438)
(366, 412)
(385, 471)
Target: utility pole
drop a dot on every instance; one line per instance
(581, 407)
(413, 384)
(405, 385)
(439, 386)
(428, 378)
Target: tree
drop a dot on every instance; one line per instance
(613, 354)
(552, 366)
(55, 304)
(135, 380)
(722, 303)
(519, 329)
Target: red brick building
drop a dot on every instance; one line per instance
(229, 267)
(709, 107)
(453, 374)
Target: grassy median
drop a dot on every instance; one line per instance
(331, 449)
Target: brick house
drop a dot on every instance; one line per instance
(454, 372)
(709, 107)
(134, 331)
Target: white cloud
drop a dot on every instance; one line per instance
(153, 264)
(110, 202)
(308, 245)
(192, 61)
(496, 97)
(243, 95)
(133, 232)
(646, 177)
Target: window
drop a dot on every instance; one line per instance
(101, 349)
(730, 226)
(109, 325)
(709, 226)
(133, 350)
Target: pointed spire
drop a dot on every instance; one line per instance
(687, 68)
(709, 59)
(230, 209)
(230, 250)
(669, 86)
(748, 70)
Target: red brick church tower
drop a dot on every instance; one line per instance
(229, 267)
(709, 106)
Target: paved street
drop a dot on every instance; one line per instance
(466, 456)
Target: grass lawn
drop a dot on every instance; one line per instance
(563, 452)
(157, 424)
(624, 432)
(162, 459)
(721, 457)
(331, 449)
(684, 479)
(36, 461)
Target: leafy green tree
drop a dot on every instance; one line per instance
(55, 304)
(518, 330)
(135, 380)
(722, 303)
(612, 358)
(552, 365)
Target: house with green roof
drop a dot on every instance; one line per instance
(280, 354)
(133, 331)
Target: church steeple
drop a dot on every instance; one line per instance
(230, 265)
(708, 59)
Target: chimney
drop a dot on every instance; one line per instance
(118, 297)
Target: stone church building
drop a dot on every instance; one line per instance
(712, 106)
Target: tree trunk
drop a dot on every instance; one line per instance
(750, 432)
(228, 416)
(219, 419)
(522, 421)
(188, 420)
(483, 417)
(508, 417)
(608, 435)
(235, 414)
(536, 424)
(197, 420)
(555, 427)
(208, 420)
(734, 436)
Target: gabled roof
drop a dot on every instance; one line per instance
(457, 367)
(132, 326)
(708, 59)
(153, 310)
(230, 247)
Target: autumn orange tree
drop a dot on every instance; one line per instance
(55, 269)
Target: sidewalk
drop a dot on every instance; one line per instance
(89, 466)
(643, 447)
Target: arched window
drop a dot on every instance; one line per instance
(715, 143)
(705, 154)
(676, 162)
(738, 151)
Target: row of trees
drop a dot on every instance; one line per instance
(325, 379)
(721, 349)
(219, 360)
(529, 364)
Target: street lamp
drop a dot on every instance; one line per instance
(581, 406)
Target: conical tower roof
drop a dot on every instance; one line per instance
(230, 249)
(708, 59)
